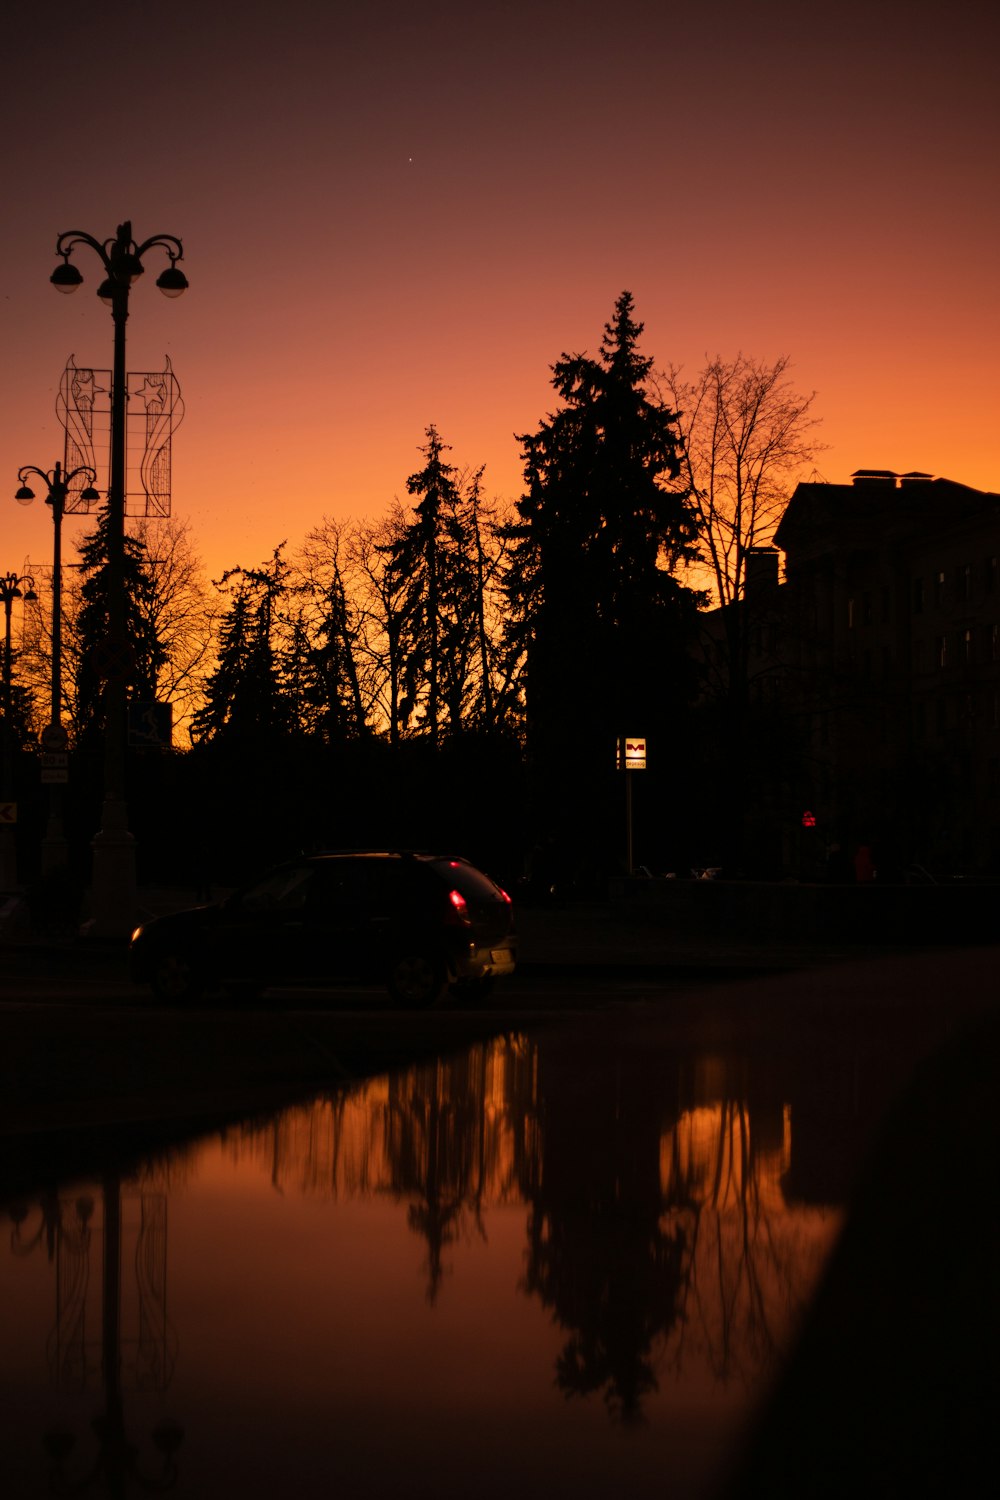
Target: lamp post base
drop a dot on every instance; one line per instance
(55, 845)
(113, 888)
(8, 861)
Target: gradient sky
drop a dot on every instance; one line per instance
(398, 214)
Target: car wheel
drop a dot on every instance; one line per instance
(175, 980)
(416, 979)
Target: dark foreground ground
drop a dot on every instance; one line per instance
(893, 1385)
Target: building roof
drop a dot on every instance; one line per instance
(878, 508)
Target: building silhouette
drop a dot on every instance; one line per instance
(874, 668)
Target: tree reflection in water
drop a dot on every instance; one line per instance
(658, 1235)
(741, 1273)
(598, 1255)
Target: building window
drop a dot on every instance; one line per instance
(994, 640)
(967, 646)
(941, 714)
(939, 583)
(850, 612)
(990, 578)
(866, 609)
(918, 596)
(942, 651)
(963, 582)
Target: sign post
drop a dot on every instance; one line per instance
(634, 760)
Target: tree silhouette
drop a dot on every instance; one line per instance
(328, 633)
(598, 1253)
(747, 434)
(180, 613)
(246, 698)
(603, 524)
(425, 554)
(143, 647)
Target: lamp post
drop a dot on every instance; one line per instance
(57, 485)
(10, 589)
(114, 848)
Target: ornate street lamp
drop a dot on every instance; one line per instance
(113, 845)
(57, 485)
(10, 589)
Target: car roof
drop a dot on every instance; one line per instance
(422, 854)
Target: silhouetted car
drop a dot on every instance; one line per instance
(415, 921)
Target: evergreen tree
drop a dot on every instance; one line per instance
(25, 719)
(145, 651)
(427, 554)
(246, 696)
(594, 608)
(447, 559)
(322, 672)
(335, 689)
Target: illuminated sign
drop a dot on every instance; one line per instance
(635, 754)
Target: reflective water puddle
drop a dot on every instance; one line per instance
(540, 1265)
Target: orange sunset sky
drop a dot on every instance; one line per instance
(396, 214)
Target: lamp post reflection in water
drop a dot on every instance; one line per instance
(117, 1463)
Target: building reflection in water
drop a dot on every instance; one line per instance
(657, 1237)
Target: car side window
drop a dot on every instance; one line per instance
(355, 886)
(283, 890)
(335, 888)
(382, 884)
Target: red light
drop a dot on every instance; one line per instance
(460, 904)
(505, 895)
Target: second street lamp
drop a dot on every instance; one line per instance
(58, 486)
(113, 890)
(10, 589)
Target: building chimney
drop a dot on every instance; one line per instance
(885, 477)
(914, 477)
(761, 570)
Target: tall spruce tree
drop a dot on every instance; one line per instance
(146, 651)
(427, 552)
(594, 606)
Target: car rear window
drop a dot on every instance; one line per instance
(472, 883)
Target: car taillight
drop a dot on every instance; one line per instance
(505, 895)
(460, 907)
